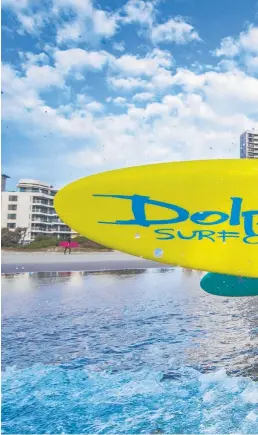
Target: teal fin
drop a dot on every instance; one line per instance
(229, 285)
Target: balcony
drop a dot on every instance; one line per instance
(40, 194)
(64, 231)
(43, 213)
(44, 221)
(43, 203)
(41, 230)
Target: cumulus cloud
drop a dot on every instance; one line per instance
(148, 72)
(128, 84)
(95, 106)
(144, 13)
(89, 21)
(174, 30)
(157, 112)
(143, 96)
(251, 63)
(15, 4)
(29, 58)
(69, 32)
(200, 121)
(79, 58)
(41, 77)
(230, 91)
(119, 46)
(139, 11)
(120, 101)
(247, 41)
(138, 66)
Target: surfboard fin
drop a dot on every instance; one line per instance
(229, 285)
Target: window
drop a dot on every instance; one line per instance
(12, 207)
(11, 225)
(11, 216)
(13, 198)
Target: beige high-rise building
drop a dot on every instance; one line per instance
(249, 144)
(31, 206)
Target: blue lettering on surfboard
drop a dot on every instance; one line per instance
(203, 218)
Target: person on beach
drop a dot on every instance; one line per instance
(68, 246)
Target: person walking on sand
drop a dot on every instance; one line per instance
(68, 246)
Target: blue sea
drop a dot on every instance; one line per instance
(129, 352)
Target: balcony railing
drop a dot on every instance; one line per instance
(44, 213)
(43, 204)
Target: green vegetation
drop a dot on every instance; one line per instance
(11, 239)
(89, 245)
(41, 242)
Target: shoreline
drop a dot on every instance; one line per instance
(20, 262)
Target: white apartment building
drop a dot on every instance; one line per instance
(249, 144)
(31, 207)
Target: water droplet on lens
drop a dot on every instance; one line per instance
(158, 252)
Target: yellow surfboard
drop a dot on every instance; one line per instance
(198, 214)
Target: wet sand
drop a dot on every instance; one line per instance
(17, 262)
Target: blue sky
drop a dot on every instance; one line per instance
(88, 87)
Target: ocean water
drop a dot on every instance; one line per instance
(126, 352)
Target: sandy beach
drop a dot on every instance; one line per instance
(16, 262)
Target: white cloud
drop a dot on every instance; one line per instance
(162, 79)
(40, 77)
(29, 59)
(246, 42)
(155, 66)
(89, 22)
(15, 4)
(95, 106)
(251, 63)
(190, 124)
(143, 96)
(82, 99)
(30, 22)
(174, 30)
(18, 95)
(79, 58)
(249, 40)
(120, 101)
(105, 24)
(127, 84)
(139, 11)
(167, 113)
(119, 46)
(70, 31)
(228, 47)
(148, 65)
(230, 92)
(81, 6)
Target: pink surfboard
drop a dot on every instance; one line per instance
(67, 244)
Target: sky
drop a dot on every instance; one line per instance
(89, 87)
